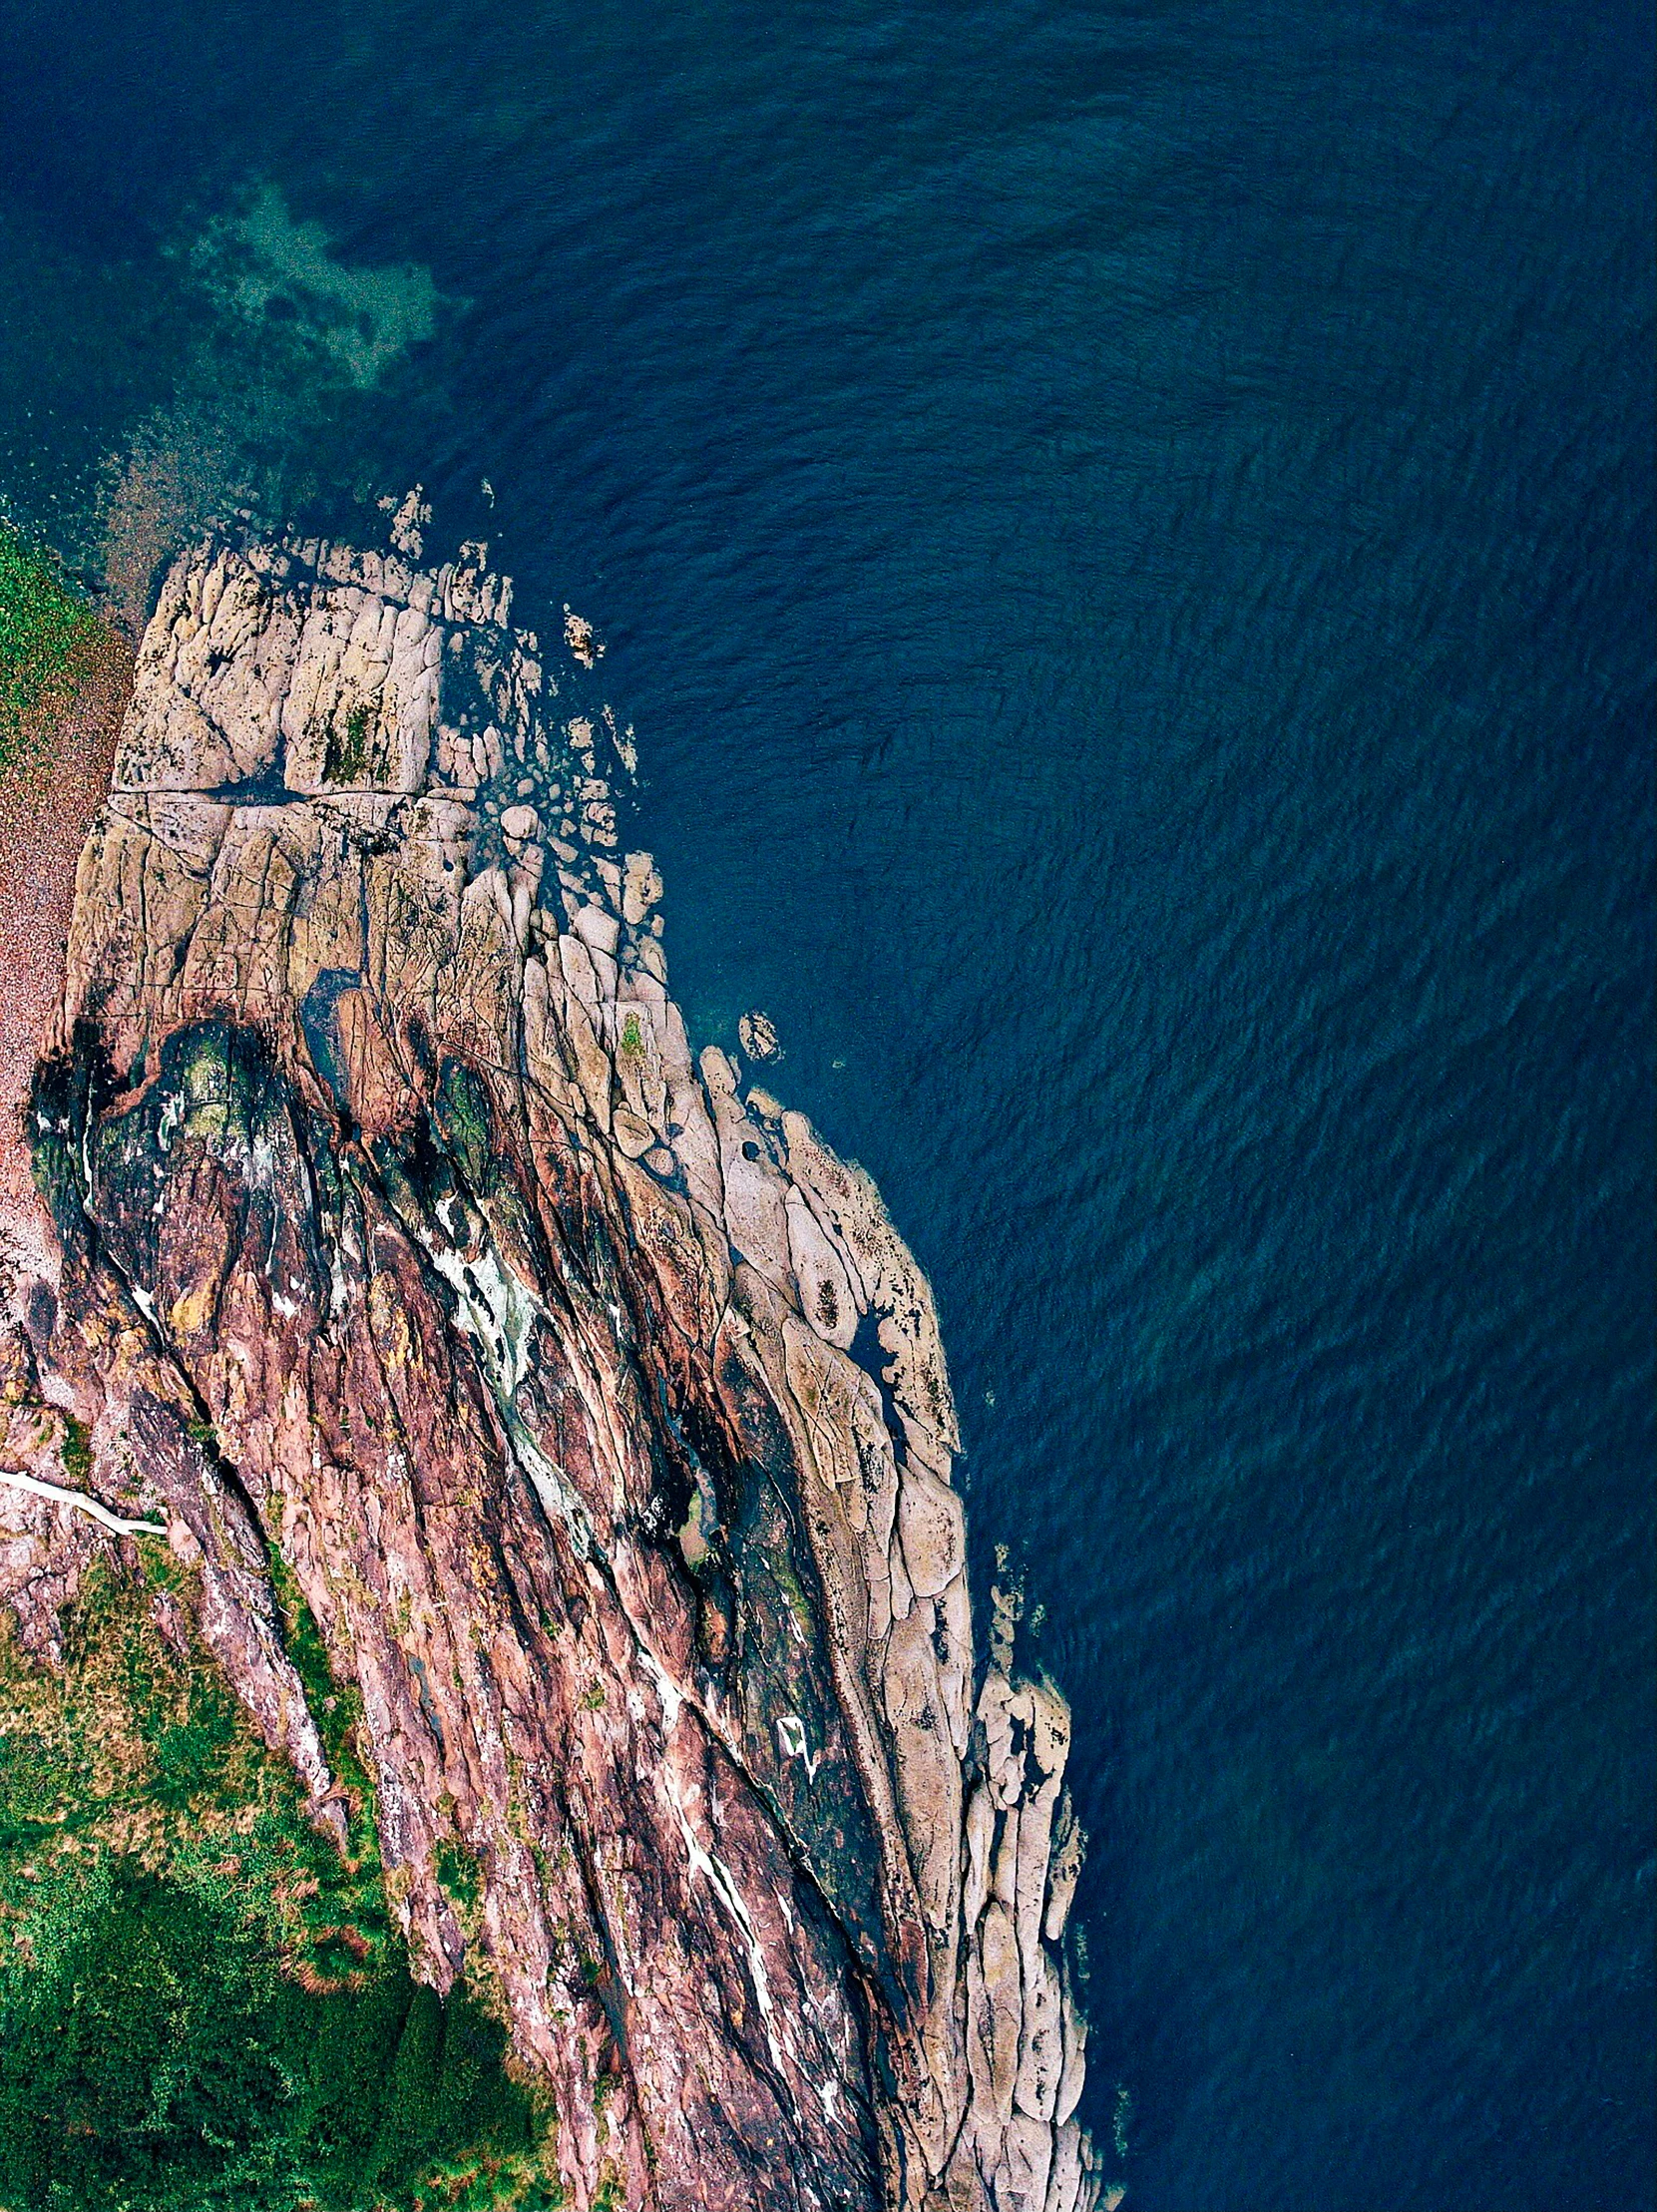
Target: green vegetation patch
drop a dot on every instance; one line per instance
(47, 639)
(465, 1125)
(351, 752)
(203, 2002)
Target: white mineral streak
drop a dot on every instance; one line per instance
(309, 714)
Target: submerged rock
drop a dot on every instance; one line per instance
(598, 1412)
(757, 1035)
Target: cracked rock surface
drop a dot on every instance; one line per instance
(596, 1407)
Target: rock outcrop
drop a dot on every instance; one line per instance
(596, 1407)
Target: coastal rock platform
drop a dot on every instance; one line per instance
(596, 1409)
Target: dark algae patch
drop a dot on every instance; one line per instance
(203, 2002)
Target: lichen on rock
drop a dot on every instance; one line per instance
(596, 1411)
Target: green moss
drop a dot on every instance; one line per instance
(203, 2004)
(457, 1870)
(47, 638)
(156, 2059)
(76, 1453)
(337, 1710)
(347, 753)
(632, 1041)
(463, 1123)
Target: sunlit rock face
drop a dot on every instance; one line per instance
(596, 1407)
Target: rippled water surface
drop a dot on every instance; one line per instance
(1123, 532)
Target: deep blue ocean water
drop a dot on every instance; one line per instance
(1124, 532)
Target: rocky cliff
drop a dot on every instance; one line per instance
(398, 1244)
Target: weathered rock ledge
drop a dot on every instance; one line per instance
(597, 1409)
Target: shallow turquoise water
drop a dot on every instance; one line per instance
(1124, 534)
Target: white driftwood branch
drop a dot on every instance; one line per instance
(93, 1507)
